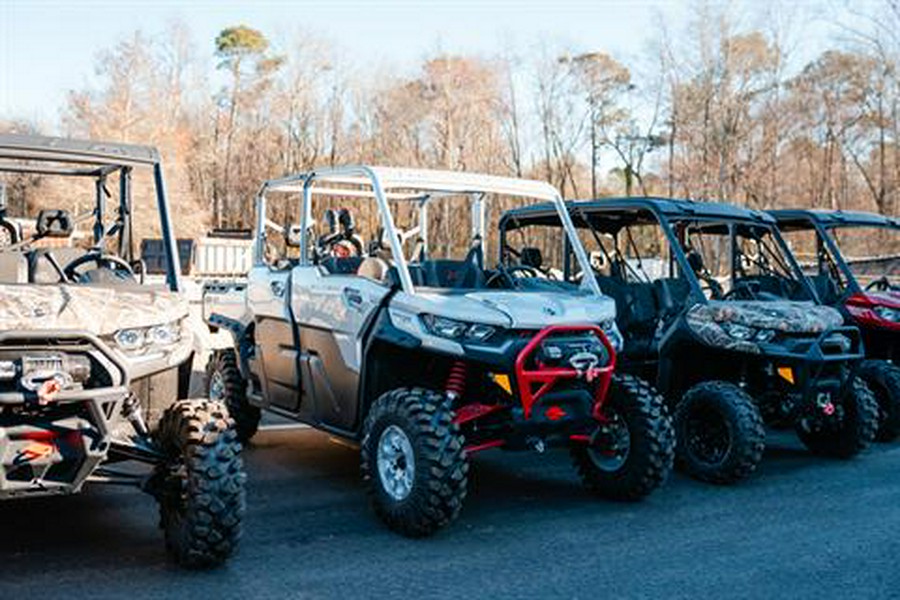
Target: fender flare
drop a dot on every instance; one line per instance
(242, 338)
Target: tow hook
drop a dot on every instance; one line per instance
(823, 401)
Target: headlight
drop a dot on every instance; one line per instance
(888, 314)
(744, 333)
(164, 335)
(131, 339)
(612, 334)
(739, 332)
(765, 336)
(140, 339)
(457, 330)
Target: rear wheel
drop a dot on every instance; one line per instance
(225, 384)
(883, 379)
(200, 486)
(720, 432)
(413, 461)
(631, 453)
(850, 430)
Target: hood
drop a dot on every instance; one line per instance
(539, 309)
(786, 316)
(889, 298)
(706, 320)
(97, 310)
(516, 310)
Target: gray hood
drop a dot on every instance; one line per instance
(516, 310)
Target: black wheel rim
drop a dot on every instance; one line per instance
(707, 436)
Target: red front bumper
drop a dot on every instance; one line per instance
(533, 382)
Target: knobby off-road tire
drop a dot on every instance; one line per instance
(720, 433)
(631, 454)
(202, 498)
(883, 379)
(415, 427)
(856, 430)
(225, 384)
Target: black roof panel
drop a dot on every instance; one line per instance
(670, 207)
(797, 217)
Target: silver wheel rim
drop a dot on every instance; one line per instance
(616, 436)
(396, 463)
(216, 386)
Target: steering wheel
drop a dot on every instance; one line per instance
(114, 263)
(507, 275)
(9, 235)
(879, 285)
(743, 290)
(529, 271)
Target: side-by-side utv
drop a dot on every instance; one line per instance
(385, 327)
(92, 358)
(853, 260)
(715, 310)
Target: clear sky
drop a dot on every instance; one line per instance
(47, 47)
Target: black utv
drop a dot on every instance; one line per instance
(714, 308)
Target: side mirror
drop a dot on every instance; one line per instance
(293, 235)
(54, 223)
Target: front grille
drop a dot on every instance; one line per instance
(572, 351)
(24, 367)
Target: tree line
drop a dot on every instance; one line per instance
(719, 111)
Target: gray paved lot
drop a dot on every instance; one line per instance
(804, 528)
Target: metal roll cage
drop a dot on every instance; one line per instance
(415, 185)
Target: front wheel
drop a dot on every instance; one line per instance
(720, 432)
(200, 483)
(849, 431)
(413, 461)
(883, 378)
(225, 384)
(632, 451)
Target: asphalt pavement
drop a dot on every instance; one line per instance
(801, 528)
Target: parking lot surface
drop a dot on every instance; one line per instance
(802, 528)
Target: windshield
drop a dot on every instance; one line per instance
(872, 253)
(102, 227)
(451, 242)
(740, 261)
(630, 252)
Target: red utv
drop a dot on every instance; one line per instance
(853, 261)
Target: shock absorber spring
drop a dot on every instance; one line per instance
(456, 380)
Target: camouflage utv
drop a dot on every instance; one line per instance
(716, 311)
(94, 359)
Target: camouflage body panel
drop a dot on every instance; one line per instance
(790, 317)
(95, 309)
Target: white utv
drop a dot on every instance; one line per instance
(94, 360)
(389, 331)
